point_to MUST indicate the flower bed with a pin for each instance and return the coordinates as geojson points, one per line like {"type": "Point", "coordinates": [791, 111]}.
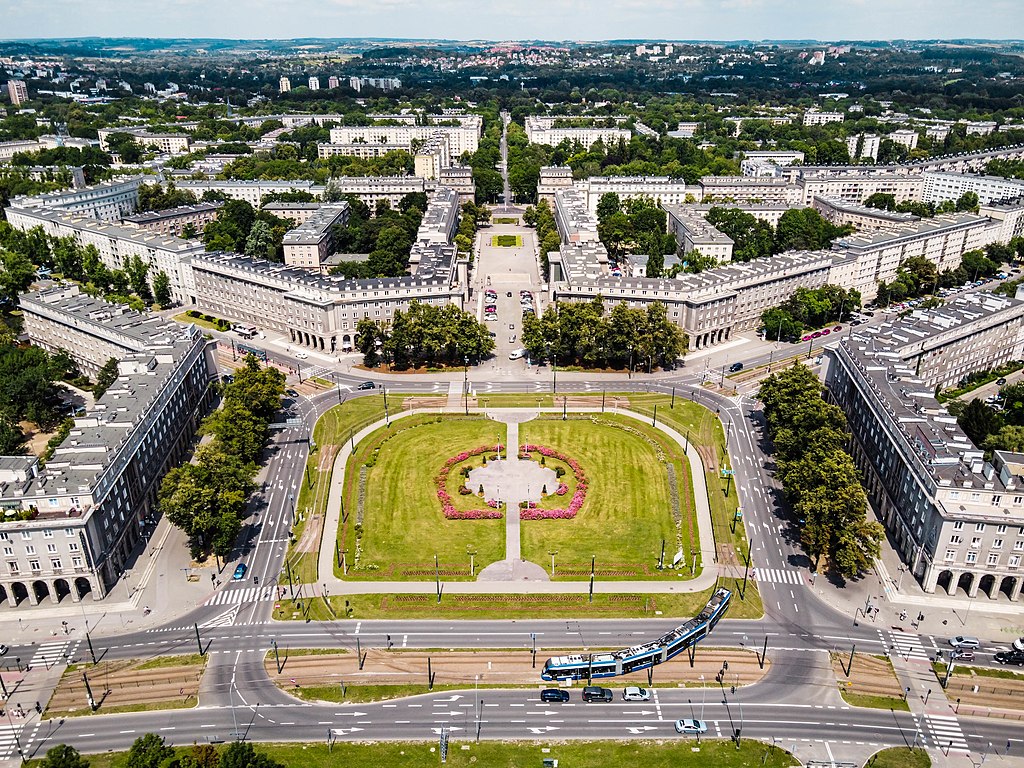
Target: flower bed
{"type": "Point", "coordinates": [441, 481]}
{"type": "Point", "coordinates": [531, 512]}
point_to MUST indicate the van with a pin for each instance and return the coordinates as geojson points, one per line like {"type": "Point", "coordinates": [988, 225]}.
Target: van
{"type": "Point", "coordinates": [965, 641]}
{"type": "Point", "coordinates": [596, 693]}
{"type": "Point", "coordinates": [517, 354]}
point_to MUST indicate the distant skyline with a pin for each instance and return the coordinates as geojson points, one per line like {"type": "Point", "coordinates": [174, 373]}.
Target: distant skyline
{"type": "Point", "coordinates": [521, 19]}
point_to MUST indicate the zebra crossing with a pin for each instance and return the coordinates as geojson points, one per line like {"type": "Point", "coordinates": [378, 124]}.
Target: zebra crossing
{"type": "Point", "coordinates": [908, 645]}
{"type": "Point", "coordinates": [778, 576]}
{"type": "Point", "coordinates": [242, 595]}
{"type": "Point", "coordinates": [49, 654]}
{"type": "Point", "coordinates": [946, 733]}
{"type": "Point", "coordinates": [10, 738]}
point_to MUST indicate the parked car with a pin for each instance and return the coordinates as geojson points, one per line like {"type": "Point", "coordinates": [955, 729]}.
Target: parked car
{"type": "Point", "coordinates": [367, 385]}
{"type": "Point", "coordinates": [965, 641]}
{"type": "Point", "coordinates": [691, 726]}
{"type": "Point", "coordinates": [554, 694]}
{"type": "Point", "coordinates": [636, 693]}
{"type": "Point", "coordinates": [596, 693]}
{"type": "Point", "coordinates": [240, 570]}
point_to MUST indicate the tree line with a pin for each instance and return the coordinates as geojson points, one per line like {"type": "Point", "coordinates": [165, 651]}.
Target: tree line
{"type": "Point", "coordinates": [918, 276]}
{"type": "Point", "coordinates": [582, 333]}
{"type": "Point", "coordinates": [543, 219]}
{"type": "Point", "coordinates": [809, 308]}
{"type": "Point", "coordinates": [992, 428]}
{"type": "Point", "coordinates": [637, 225]}
{"type": "Point", "coordinates": [967, 202]}
{"type": "Point", "coordinates": [424, 335]}
{"type": "Point", "coordinates": [384, 233]}
{"type": "Point", "coordinates": [819, 479]}
{"type": "Point", "coordinates": [207, 497]}
{"type": "Point", "coordinates": [799, 229]}
{"type": "Point", "coordinates": [151, 751]}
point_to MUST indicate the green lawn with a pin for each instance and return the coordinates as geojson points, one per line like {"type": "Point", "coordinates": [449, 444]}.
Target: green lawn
{"type": "Point", "coordinates": [673, 752]}
{"type": "Point", "coordinates": [403, 525]}
{"type": "Point", "coordinates": [676, 605]}
{"type": "Point", "coordinates": [626, 514]}
{"type": "Point", "coordinates": [506, 241]}
{"type": "Point", "coordinates": [183, 318]}
{"type": "Point", "coordinates": [874, 702]}
{"type": "Point", "coordinates": [899, 757]}
{"type": "Point", "coordinates": [505, 220]}
{"type": "Point", "coordinates": [332, 430]}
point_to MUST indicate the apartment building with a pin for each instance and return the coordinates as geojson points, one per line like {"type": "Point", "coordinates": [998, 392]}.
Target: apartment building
{"type": "Point", "coordinates": [71, 526]}
{"type": "Point", "coordinates": [692, 232]}
{"type": "Point", "coordinates": [284, 85]}
{"type": "Point", "coordinates": [840, 213]}
{"type": "Point", "coordinates": [939, 187]}
{"type": "Point", "coordinates": [956, 520]}
{"type": "Point", "coordinates": [661, 189]}
{"type": "Point", "coordinates": [461, 138]}
{"type": "Point", "coordinates": [553, 179]}
{"type": "Point", "coordinates": [573, 219]}
{"type": "Point", "coordinates": [314, 83]}
{"type": "Point", "coordinates": [109, 201]}
{"type": "Point", "coordinates": [863, 145]}
{"type": "Point", "coordinates": [309, 244]}
{"type": "Point", "coordinates": [171, 221]}
{"type": "Point", "coordinates": [9, 149]}
{"type": "Point", "coordinates": [541, 130]}
{"type": "Point", "coordinates": [299, 213]}
{"type": "Point", "coordinates": [17, 91]}
{"type": "Point", "coordinates": [906, 137]}
{"type": "Point", "coordinates": [748, 188]}
{"type": "Point", "coordinates": [359, 149]}
{"type": "Point", "coordinates": [167, 143]}
{"type": "Point", "coordinates": [460, 179]}
{"type": "Point", "coordinates": [432, 156]}
{"type": "Point", "coordinates": [116, 244]}
{"type": "Point", "coordinates": [814, 117]}
{"type": "Point", "coordinates": [440, 221]}
{"type": "Point", "coordinates": [858, 188]}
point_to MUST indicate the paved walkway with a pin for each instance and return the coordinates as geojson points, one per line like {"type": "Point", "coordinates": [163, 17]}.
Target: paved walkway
{"type": "Point", "coordinates": [511, 580]}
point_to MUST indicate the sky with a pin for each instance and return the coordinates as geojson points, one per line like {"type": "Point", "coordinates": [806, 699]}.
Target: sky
{"type": "Point", "coordinates": [517, 19]}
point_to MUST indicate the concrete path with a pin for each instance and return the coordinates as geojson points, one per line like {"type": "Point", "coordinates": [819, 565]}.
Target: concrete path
{"type": "Point", "coordinates": [514, 577]}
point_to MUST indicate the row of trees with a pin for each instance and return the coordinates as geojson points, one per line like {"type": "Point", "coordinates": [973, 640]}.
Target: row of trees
{"type": "Point", "coordinates": [636, 226]}
{"type": "Point", "coordinates": [809, 308]}
{"type": "Point", "coordinates": [424, 335]}
{"type": "Point", "coordinates": [819, 479]}
{"type": "Point", "coordinates": [473, 216]}
{"type": "Point", "coordinates": [155, 197]}
{"type": "Point", "coordinates": [580, 333]}
{"type": "Point", "coordinates": [28, 392]}
{"type": "Point", "coordinates": [384, 233]}
{"type": "Point", "coordinates": [207, 497]}
{"type": "Point", "coordinates": [151, 751]}
{"type": "Point", "coordinates": [543, 218]}
{"type": "Point", "coordinates": [917, 276]}
{"type": "Point", "coordinates": [799, 229]}
{"type": "Point", "coordinates": [992, 429]}
{"type": "Point", "coordinates": [884, 201]}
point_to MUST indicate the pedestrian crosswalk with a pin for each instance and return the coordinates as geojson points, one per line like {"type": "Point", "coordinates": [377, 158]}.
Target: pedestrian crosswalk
{"type": "Point", "coordinates": [241, 595]}
{"type": "Point", "coordinates": [10, 738]}
{"type": "Point", "coordinates": [908, 645]}
{"type": "Point", "coordinates": [777, 576]}
{"type": "Point", "coordinates": [47, 654]}
{"type": "Point", "coordinates": [946, 733]}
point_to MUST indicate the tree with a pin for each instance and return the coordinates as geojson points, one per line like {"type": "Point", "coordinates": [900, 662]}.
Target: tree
{"type": "Point", "coordinates": [881, 200]}
{"type": "Point", "coordinates": [655, 265]}
{"type": "Point", "coordinates": [779, 324]}
{"type": "Point", "coordinates": [241, 754]}
{"type": "Point", "coordinates": [12, 439]}
{"type": "Point", "coordinates": [752, 238]}
{"type": "Point", "coordinates": [162, 289]}
{"type": "Point", "coordinates": [16, 275]}
{"type": "Point", "coordinates": [978, 420]}
{"type": "Point", "coordinates": [259, 243]}
{"type": "Point", "coordinates": [608, 205]}
{"type": "Point", "coordinates": [201, 756]}
{"type": "Point", "coordinates": [1008, 438]}
{"type": "Point", "coordinates": [804, 229]}
{"type": "Point", "coordinates": [137, 271]}
{"type": "Point", "coordinates": [107, 375]}
{"type": "Point", "coordinates": [149, 751]}
{"type": "Point", "coordinates": [124, 144]}
{"type": "Point", "coordinates": [63, 756]}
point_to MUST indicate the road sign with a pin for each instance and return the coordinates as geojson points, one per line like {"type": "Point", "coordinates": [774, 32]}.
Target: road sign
{"type": "Point", "coordinates": [444, 745]}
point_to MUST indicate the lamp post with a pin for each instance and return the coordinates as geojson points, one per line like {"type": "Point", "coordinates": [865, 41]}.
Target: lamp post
{"type": "Point", "coordinates": [472, 561]}
{"type": "Point", "coordinates": [552, 553]}
{"type": "Point", "coordinates": [465, 382]}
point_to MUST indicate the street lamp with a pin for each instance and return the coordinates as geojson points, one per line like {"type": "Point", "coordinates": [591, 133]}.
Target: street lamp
{"type": "Point", "coordinates": [465, 382]}
{"type": "Point", "coordinates": [552, 553]}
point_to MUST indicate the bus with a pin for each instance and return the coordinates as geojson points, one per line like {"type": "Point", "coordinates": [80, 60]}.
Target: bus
{"type": "Point", "coordinates": [586, 666]}
{"type": "Point", "coordinates": [245, 331]}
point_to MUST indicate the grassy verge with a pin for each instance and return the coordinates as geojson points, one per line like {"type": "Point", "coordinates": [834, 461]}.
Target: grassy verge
{"type": "Point", "coordinates": [960, 670]}
{"type": "Point", "coordinates": [192, 659]}
{"type": "Point", "coordinates": [669, 753]}
{"type": "Point", "coordinates": [899, 757]}
{"type": "Point", "coordinates": [514, 606]}
{"type": "Point", "coordinates": [874, 702]}
{"type": "Point", "coordinates": [183, 318]}
{"type": "Point", "coordinates": [360, 694]}
{"type": "Point", "coordinates": [154, 706]}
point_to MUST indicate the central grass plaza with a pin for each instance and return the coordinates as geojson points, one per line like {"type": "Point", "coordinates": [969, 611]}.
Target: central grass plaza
{"type": "Point", "coordinates": [639, 499]}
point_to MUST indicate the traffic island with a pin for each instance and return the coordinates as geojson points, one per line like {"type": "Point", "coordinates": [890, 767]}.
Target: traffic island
{"type": "Point", "coordinates": [127, 685]}
{"type": "Point", "coordinates": [375, 674]}
{"type": "Point", "coordinates": [868, 681]}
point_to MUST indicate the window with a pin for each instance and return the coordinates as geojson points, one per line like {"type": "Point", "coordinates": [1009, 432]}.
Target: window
{"type": "Point", "coordinates": [972, 557]}
{"type": "Point", "coordinates": [12, 566]}
{"type": "Point", "coordinates": [55, 563]}
{"type": "Point", "coordinates": [958, 525]}
{"type": "Point", "coordinates": [73, 546]}
{"type": "Point", "coordinates": [956, 540]}
{"type": "Point", "coordinates": [979, 527]}
{"type": "Point", "coordinates": [26, 535]}
{"type": "Point", "coordinates": [993, 558]}
{"type": "Point", "coordinates": [997, 544]}
{"type": "Point", "coordinates": [69, 532]}
{"type": "Point", "coordinates": [1018, 545]}
{"type": "Point", "coordinates": [976, 542]}
{"type": "Point", "coordinates": [33, 565]}
{"type": "Point", "coordinates": [1001, 529]}
{"type": "Point", "coordinates": [29, 549]}
{"type": "Point", "coordinates": [950, 555]}
{"type": "Point", "coordinates": [47, 533]}
{"type": "Point", "coordinates": [1014, 561]}
{"type": "Point", "coordinates": [8, 550]}
{"type": "Point", "coordinates": [76, 562]}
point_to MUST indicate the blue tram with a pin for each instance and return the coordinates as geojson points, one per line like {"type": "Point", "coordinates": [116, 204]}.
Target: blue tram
{"type": "Point", "coordinates": [584, 666]}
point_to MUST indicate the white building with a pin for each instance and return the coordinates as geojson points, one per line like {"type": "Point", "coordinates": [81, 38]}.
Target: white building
{"type": "Point", "coordinates": [109, 201]}
{"type": "Point", "coordinates": [693, 232]}
{"type": "Point", "coordinates": [461, 138]}
{"type": "Point", "coordinates": [906, 137]}
{"type": "Point", "coordinates": [814, 117]}
{"type": "Point", "coordinates": [864, 145]}
{"type": "Point", "coordinates": [309, 244]}
{"type": "Point", "coordinates": [939, 187]}
{"type": "Point", "coordinates": [284, 84]}
{"type": "Point", "coordinates": [314, 83]}
{"type": "Point", "coordinates": [542, 130]}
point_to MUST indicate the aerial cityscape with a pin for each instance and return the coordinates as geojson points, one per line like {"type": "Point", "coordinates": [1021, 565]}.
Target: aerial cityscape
{"type": "Point", "coordinates": [406, 396]}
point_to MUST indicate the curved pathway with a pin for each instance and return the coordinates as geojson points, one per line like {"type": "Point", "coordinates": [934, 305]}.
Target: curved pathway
{"type": "Point", "coordinates": [513, 575]}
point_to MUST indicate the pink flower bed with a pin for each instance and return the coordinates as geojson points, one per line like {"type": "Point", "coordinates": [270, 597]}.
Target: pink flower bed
{"type": "Point", "coordinates": [578, 496]}
{"type": "Point", "coordinates": [441, 481]}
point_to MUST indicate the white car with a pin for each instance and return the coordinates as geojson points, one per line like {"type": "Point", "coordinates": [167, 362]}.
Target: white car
{"type": "Point", "coordinates": [691, 726]}
{"type": "Point", "coordinates": [1018, 644]}
{"type": "Point", "coordinates": [301, 355]}
{"type": "Point", "coordinates": [635, 693]}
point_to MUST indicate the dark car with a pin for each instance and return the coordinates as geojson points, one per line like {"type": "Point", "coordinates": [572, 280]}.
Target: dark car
{"type": "Point", "coordinates": [1011, 657]}
{"type": "Point", "coordinates": [554, 694]}
{"type": "Point", "coordinates": [596, 693]}
{"type": "Point", "coordinates": [1001, 382]}
{"type": "Point", "coordinates": [367, 385]}
{"type": "Point", "coordinates": [291, 393]}
{"type": "Point", "coordinates": [735, 367]}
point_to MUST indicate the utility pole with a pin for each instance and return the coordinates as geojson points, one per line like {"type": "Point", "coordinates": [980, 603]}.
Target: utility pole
{"type": "Point", "coordinates": [199, 640]}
